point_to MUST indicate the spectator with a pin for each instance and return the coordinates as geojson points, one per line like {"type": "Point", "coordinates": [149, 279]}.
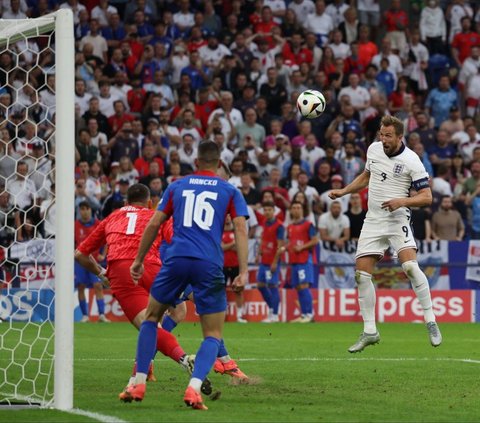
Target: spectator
{"type": "Point", "coordinates": [350, 25]}
{"type": "Point", "coordinates": [116, 199]}
{"type": "Point", "coordinates": [334, 226]}
{"type": "Point", "coordinates": [320, 23]}
{"type": "Point", "coordinates": [274, 93]}
{"type": "Point", "coordinates": [469, 143]}
{"type": "Point", "coordinates": [252, 195]}
{"type": "Point", "coordinates": [326, 201]}
{"type": "Point", "coordinates": [433, 27]}
{"type": "Point", "coordinates": [311, 152]}
{"type": "Point", "coordinates": [441, 183]}
{"type": "Point", "coordinates": [142, 164]}
{"type": "Point", "coordinates": [96, 40]}
{"type": "Point", "coordinates": [464, 41]}
{"type": "Point", "coordinates": [367, 49]}
{"type": "Point", "coordinates": [321, 180]}
{"type": "Point", "coordinates": [229, 116]}
{"type": "Point", "coordinates": [456, 11]}
{"type": "Point", "coordinates": [351, 165]}
{"type": "Point", "coordinates": [454, 123]}
{"type": "Point", "coordinates": [386, 78]}
{"type": "Point", "coordinates": [302, 9]}
{"type": "Point", "coordinates": [114, 32]}
{"type": "Point", "coordinates": [443, 151]}
{"type": "Point", "coordinates": [94, 112]}
{"type": "Point", "coordinates": [123, 144]}
{"type": "Point", "coordinates": [250, 127]}
{"type": "Point", "coordinates": [188, 152]}
{"type": "Point", "coordinates": [236, 169]}
{"type": "Point", "coordinates": [440, 100]}
{"type": "Point", "coordinates": [356, 215]}
{"type": "Point", "coordinates": [447, 223]}
{"type": "Point", "coordinates": [396, 22]}
{"type": "Point", "coordinates": [394, 63]}
{"type": "Point", "coordinates": [120, 116]}
{"type": "Point", "coordinates": [281, 194]}
{"type": "Point", "coordinates": [302, 186]}
{"type": "Point", "coordinates": [85, 150]}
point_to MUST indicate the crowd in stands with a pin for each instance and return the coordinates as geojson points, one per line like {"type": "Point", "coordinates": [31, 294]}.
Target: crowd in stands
{"type": "Point", "coordinates": [155, 77]}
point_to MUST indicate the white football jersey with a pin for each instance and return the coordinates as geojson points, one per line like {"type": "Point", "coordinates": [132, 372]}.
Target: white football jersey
{"type": "Point", "coordinates": [392, 177]}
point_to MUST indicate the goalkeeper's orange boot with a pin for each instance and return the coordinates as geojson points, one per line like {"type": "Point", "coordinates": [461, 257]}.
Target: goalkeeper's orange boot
{"type": "Point", "coordinates": [229, 368]}
{"type": "Point", "coordinates": [150, 376]}
{"type": "Point", "coordinates": [194, 399]}
{"type": "Point", "coordinates": [133, 393]}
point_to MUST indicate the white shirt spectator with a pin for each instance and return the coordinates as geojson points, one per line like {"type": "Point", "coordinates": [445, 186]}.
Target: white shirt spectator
{"type": "Point", "coordinates": [310, 192]}
{"type": "Point", "coordinates": [340, 51]}
{"type": "Point", "coordinates": [469, 68]}
{"type": "Point", "coordinates": [358, 96]}
{"type": "Point", "coordinates": [23, 192]}
{"type": "Point", "coordinates": [184, 19]}
{"type": "Point", "coordinates": [327, 201]}
{"type": "Point", "coordinates": [369, 5]}
{"type": "Point", "coordinates": [106, 104]}
{"type": "Point", "coordinates": [100, 139]}
{"type": "Point", "coordinates": [267, 60]}
{"type": "Point", "coordinates": [235, 116]}
{"type": "Point", "coordinates": [130, 175]}
{"type": "Point", "coordinates": [336, 12]}
{"type": "Point", "coordinates": [334, 226]}
{"type": "Point", "coordinates": [83, 102]}
{"type": "Point", "coordinates": [433, 24]}
{"type": "Point", "coordinates": [442, 186]}
{"type": "Point", "coordinates": [215, 56]}
{"type": "Point", "coordinates": [188, 158]}
{"type": "Point", "coordinates": [394, 63]}
{"type": "Point", "coordinates": [47, 99]}
{"type": "Point", "coordinates": [312, 156]}
{"type": "Point", "coordinates": [226, 156]}
{"type": "Point", "coordinates": [102, 15]}
{"type": "Point", "coordinates": [319, 24]}
{"type": "Point", "coordinates": [78, 8]}
{"type": "Point", "coordinates": [8, 14]}
{"type": "Point", "coordinates": [302, 10]}
{"type": "Point", "coordinates": [466, 146]}
{"type": "Point", "coordinates": [162, 89]}
{"type": "Point", "coordinates": [49, 213]}
{"type": "Point", "coordinates": [178, 63]}
{"type": "Point", "coordinates": [414, 70]}
{"type": "Point", "coordinates": [457, 12]}
{"type": "Point", "coordinates": [100, 46]}
{"type": "Point", "coordinates": [235, 181]}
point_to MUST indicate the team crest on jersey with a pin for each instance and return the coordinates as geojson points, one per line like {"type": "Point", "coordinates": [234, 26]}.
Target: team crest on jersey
{"type": "Point", "coordinates": [398, 169]}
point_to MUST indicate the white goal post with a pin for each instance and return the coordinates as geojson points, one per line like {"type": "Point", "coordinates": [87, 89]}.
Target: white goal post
{"type": "Point", "coordinates": [62, 46]}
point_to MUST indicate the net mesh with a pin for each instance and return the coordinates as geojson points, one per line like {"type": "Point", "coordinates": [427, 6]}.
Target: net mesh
{"type": "Point", "coordinates": [27, 211]}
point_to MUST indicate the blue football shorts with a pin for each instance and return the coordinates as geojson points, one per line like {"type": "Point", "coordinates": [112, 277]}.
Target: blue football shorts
{"type": "Point", "coordinates": [266, 276]}
{"type": "Point", "coordinates": [84, 277]}
{"type": "Point", "coordinates": [302, 273]}
{"type": "Point", "coordinates": [207, 280]}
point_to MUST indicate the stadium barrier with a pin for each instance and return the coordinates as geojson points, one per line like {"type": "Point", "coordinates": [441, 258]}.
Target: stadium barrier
{"type": "Point", "coordinates": [452, 268]}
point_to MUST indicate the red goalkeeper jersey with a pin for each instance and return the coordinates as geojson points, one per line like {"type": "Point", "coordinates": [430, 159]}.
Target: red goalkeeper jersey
{"type": "Point", "coordinates": [122, 231]}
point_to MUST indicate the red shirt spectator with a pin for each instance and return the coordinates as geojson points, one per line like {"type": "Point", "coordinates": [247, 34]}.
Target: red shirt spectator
{"type": "Point", "coordinates": [298, 56]}
{"type": "Point", "coordinates": [119, 118]}
{"type": "Point", "coordinates": [142, 164]}
{"type": "Point", "coordinates": [136, 97]}
{"type": "Point", "coordinates": [464, 42]}
{"type": "Point", "coordinates": [396, 20]}
{"type": "Point", "coordinates": [366, 51]}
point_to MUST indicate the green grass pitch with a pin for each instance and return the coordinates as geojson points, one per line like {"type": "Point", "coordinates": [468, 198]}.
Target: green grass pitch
{"type": "Point", "coordinates": [303, 373]}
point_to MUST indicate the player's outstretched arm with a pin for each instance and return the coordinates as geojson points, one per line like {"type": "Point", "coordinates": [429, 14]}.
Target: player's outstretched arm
{"type": "Point", "coordinates": [241, 240]}
{"type": "Point", "coordinates": [360, 182]}
{"type": "Point", "coordinates": [149, 235]}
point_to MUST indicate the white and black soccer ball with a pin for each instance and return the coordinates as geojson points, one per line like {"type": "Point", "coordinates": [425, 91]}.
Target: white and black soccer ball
{"type": "Point", "coordinates": [311, 104]}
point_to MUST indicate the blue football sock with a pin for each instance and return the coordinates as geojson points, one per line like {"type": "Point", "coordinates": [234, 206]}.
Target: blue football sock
{"type": "Point", "coordinates": [266, 295]}
{"type": "Point", "coordinates": [275, 296]}
{"type": "Point", "coordinates": [168, 323]}
{"type": "Point", "coordinates": [306, 300]}
{"type": "Point", "coordinates": [146, 345]}
{"type": "Point", "coordinates": [205, 358]}
{"type": "Point", "coordinates": [83, 307]}
{"type": "Point", "coordinates": [222, 351]}
{"type": "Point", "coordinates": [101, 306]}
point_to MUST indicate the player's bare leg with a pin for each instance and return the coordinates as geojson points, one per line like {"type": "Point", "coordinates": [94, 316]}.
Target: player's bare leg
{"type": "Point", "coordinates": [98, 287]}
{"type": "Point", "coordinates": [212, 328]}
{"type": "Point", "coordinates": [419, 281]}
{"type": "Point", "coordinates": [366, 301]}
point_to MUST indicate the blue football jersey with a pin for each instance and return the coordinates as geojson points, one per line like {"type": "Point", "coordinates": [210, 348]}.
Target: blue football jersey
{"type": "Point", "coordinates": [199, 204]}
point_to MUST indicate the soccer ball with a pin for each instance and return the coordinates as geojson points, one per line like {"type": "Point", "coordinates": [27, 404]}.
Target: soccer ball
{"type": "Point", "coordinates": [311, 104]}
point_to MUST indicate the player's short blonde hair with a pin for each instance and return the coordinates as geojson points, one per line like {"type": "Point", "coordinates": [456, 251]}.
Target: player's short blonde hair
{"type": "Point", "coordinates": [395, 122]}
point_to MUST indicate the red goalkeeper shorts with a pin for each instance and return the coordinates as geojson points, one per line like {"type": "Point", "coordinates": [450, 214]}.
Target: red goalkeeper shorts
{"type": "Point", "coordinates": [132, 298]}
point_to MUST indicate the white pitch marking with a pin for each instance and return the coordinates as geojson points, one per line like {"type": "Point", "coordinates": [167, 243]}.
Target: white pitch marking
{"type": "Point", "coordinates": [95, 416]}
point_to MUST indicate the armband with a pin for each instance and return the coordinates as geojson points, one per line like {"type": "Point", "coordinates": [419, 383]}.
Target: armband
{"type": "Point", "coordinates": [421, 184]}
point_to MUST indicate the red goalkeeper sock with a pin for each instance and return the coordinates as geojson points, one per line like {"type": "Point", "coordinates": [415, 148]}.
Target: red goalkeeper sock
{"type": "Point", "coordinates": [168, 345]}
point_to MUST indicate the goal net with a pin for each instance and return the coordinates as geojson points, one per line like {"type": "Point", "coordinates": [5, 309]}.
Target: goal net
{"type": "Point", "coordinates": [36, 211]}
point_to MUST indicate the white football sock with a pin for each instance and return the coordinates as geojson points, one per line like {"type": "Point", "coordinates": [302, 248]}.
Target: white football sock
{"type": "Point", "coordinates": [420, 285]}
{"type": "Point", "coordinates": [366, 300]}
{"type": "Point", "coordinates": [140, 378]}
{"type": "Point", "coordinates": [195, 383]}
